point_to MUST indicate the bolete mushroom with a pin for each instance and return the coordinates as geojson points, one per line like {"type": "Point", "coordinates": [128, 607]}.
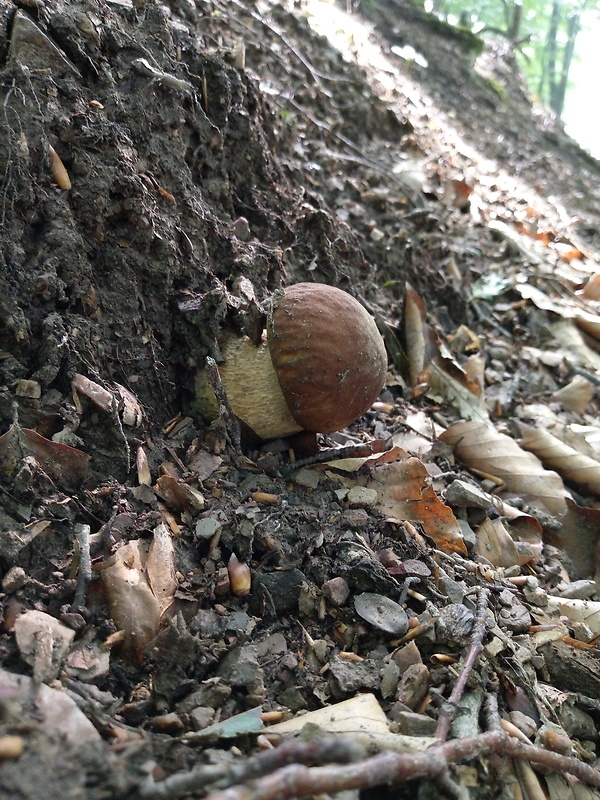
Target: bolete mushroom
{"type": "Point", "coordinates": [320, 365]}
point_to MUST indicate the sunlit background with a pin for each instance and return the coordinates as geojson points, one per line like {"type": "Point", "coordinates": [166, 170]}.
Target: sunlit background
{"type": "Point", "coordinates": [582, 106]}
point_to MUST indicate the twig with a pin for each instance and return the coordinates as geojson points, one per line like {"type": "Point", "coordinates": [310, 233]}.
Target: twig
{"type": "Point", "coordinates": [334, 454]}
{"type": "Point", "coordinates": [448, 710]}
{"type": "Point", "coordinates": [230, 421]}
{"type": "Point", "coordinates": [332, 749]}
{"type": "Point", "coordinates": [298, 781]}
{"type": "Point", "coordinates": [491, 712]}
{"type": "Point", "coordinates": [84, 576]}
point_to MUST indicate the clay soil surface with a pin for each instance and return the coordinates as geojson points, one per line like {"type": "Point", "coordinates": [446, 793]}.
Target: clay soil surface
{"type": "Point", "coordinates": [165, 167]}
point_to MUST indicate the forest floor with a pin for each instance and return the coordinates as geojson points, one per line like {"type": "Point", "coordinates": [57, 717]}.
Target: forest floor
{"type": "Point", "coordinates": [165, 168]}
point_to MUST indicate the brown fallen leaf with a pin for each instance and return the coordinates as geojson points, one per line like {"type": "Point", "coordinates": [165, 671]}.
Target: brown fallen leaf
{"type": "Point", "coordinates": [496, 544]}
{"type": "Point", "coordinates": [177, 494]}
{"type": "Point", "coordinates": [65, 465]}
{"type": "Point", "coordinates": [430, 364]}
{"type": "Point", "coordinates": [481, 447]}
{"type": "Point", "coordinates": [572, 465]}
{"type": "Point", "coordinates": [405, 493]}
{"type": "Point", "coordinates": [140, 585]}
{"type": "Point", "coordinates": [160, 567]}
{"type": "Point", "coordinates": [579, 537]}
{"type": "Point", "coordinates": [576, 395]}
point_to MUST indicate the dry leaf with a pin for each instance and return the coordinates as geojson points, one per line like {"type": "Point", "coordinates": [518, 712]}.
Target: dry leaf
{"type": "Point", "coordinates": [479, 446]}
{"type": "Point", "coordinates": [587, 611]}
{"type": "Point", "coordinates": [177, 494]}
{"type": "Point", "coordinates": [576, 395]}
{"type": "Point", "coordinates": [591, 291]}
{"type": "Point", "coordinates": [579, 536]}
{"type": "Point", "coordinates": [573, 466]}
{"type": "Point", "coordinates": [591, 435]}
{"type": "Point", "coordinates": [140, 585]}
{"type": "Point", "coordinates": [131, 602]}
{"type": "Point", "coordinates": [405, 493]}
{"type": "Point", "coordinates": [430, 365]}
{"type": "Point", "coordinates": [160, 567]}
{"type": "Point", "coordinates": [65, 465]}
{"type": "Point", "coordinates": [495, 544]}
{"type": "Point", "coordinates": [360, 717]}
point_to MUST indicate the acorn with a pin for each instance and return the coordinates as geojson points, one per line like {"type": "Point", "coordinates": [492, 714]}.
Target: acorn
{"type": "Point", "coordinates": [320, 365]}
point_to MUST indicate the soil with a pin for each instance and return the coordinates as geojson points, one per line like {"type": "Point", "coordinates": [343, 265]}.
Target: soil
{"type": "Point", "coordinates": [216, 152]}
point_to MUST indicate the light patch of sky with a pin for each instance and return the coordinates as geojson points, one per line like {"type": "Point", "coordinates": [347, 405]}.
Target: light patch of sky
{"type": "Point", "coordinates": [582, 110]}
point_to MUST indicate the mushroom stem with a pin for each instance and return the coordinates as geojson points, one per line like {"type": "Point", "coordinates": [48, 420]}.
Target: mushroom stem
{"type": "Point", "coordinates": [252, 389]}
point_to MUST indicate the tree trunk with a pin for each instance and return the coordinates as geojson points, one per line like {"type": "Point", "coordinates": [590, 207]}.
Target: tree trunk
{"type": "Point", "coordinates": [549, 80]}
{"type": "Point", "coordinates": [574, 28]}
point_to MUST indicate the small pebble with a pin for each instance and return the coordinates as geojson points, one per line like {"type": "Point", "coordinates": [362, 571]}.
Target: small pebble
{"type": "Point", "coordinates": [336, 591]}
{"type": "Point", "coordinates": [15, 579]}
{"type": "Point", "coordinates": [411, 724]}
{"type": "Point", "coordinates": [307, 477]}
{"type": "Point", "coordinates": [413, 685]}
{"type": "Point", "coordinates": [407, 656]}
{"type": "Point", "coordinates": [361, 496]}
{"type": "Point", "coordinates": [202, 717]}
{"type": "Point", "coordinates": [355, 518]}
{"type": "Point", "coordinates": [167, 723]}
{"type": "Point", "coordinates": [579, 590]}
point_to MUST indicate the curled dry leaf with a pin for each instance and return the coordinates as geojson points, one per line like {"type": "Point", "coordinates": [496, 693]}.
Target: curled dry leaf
{"type": "Point", "coordinates": [178, 495]}
{"type": "Point", "coordinates": [100, 397]}
{"type": "Point", "coordinates": [495, 544]}
{"type": "Point", "coordinates": [429, 365]}
{"type": "Point", "coordinates": [140, 585]}
{"type": "Point", "coordinates": [572, 465]}
{"type": "Point", "coordinates": [579, 537]}
{"type": "Point", "coordinates": [143, 468]}
{"type": "Point", "coordinates": [576, 395]}
{"type": "Point", "coordinates": [59, 172]}
{"type": "Point", "coordinates": [65, 465]}
{"type": "Point", "coordinates": [479, 446]}
{"type": "Point", "coordinates": [132, 412]}
{"type": "Point", "coordinates": [160, 567]}
{"type": "Point", "coordinates": [405, 493]}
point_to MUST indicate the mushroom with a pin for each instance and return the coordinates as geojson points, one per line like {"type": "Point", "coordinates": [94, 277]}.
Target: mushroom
{"type": "Point", "coordinates": [320, 365]}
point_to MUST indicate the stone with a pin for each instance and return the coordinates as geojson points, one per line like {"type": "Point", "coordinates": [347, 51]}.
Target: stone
{"type": "Point", "coordinates": [240, 666]}
{"type": "Point", "coordinates": [413, 685]}
{"type": "Point", "coordinates": [361, 496]}
{"type": "Point", "coordinates": [336, 591]}
{"type": "Point", "coordinates": [412, 724]}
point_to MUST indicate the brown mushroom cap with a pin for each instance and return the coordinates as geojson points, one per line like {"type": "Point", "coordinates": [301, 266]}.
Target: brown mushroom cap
{"type": "Point", "coordinates": [328, 355]}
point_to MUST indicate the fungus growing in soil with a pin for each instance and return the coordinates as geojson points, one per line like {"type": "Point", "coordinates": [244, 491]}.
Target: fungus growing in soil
{"type": "Point", "coordinates": [320, 365]}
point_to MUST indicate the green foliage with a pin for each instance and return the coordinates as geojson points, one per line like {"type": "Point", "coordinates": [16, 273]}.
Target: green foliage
{"type": "Point", "coordinates": [542, 33]}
